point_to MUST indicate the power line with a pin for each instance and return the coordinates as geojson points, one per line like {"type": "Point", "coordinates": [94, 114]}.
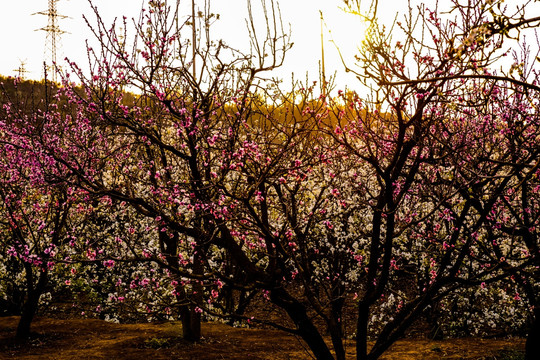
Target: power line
{"type": "Point", "coordinates": [323, 70]}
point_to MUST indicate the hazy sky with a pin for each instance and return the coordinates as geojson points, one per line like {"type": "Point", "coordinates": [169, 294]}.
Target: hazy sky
{"type": "Point", "coordinates": [21, 42]}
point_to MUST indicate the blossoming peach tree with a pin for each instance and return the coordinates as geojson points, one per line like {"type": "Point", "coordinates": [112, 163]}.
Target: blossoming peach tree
{"type": "Point", "coordinates": [40, 212]}
{"type": "Point", "coordinates": [206, 187]}
{"type": "Point", "coordinates": [439, 158]}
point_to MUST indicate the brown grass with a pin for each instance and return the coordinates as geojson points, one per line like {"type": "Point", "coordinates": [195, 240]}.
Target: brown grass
{"type": "Point", "coordinates": [96, 339]}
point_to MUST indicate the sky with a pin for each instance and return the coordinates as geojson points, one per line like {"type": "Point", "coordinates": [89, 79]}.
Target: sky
{"type": "Point", "coordinates": [22, 41]}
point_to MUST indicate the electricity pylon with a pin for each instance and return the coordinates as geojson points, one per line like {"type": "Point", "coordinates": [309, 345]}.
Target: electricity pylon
{"type": "Point", "coordinates": [21, 70]}
{"type": "Point", "coordinates": [52, 40]}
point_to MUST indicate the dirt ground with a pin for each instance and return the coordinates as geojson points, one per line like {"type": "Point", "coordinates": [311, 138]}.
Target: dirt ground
{"type": "Point", "coordinates": [97, 339]}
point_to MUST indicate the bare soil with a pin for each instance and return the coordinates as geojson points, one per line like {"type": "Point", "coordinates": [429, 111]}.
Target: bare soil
{"type": "Point", "coordinates": [97, 339]}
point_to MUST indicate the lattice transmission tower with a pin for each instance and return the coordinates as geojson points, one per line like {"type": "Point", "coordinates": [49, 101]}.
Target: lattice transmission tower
{"type": "Point", "coordinates": [52, 40]}
{"type": "Point", "coordinates": [21, 70]}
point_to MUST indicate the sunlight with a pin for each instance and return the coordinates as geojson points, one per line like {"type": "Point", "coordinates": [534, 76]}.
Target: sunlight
{"type": "Point", "coordinates": [343, 32]}
{"type": "Point", "coordinates": [346, 30]}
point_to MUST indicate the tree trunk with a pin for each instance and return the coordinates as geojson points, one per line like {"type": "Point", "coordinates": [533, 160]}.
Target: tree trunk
{"type": "Point", "coordinates": [191, 323]}
{"type": "Point", "coordinates": [336, 329]}
{"type": "Point", "coordinates": [532, 346]}
{"type": "Point", "coordinates": [191, 319]}
{"type": "Point", "coordinates": [362, 331]}
{"type": "Point", "coordinates": [191, 313]}
{"type": "Point", "coordinates": [27, 315]}
{"type": "Point", "coordinates": [307, 331]}
{"type": "Point", "coordinates": [32, 301]}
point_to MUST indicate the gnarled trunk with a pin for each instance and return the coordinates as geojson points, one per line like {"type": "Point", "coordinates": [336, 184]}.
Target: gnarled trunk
{"type": "Point", "coordinates": [306, 329]}
{"type": "Point", "coordinates": [32, 301]}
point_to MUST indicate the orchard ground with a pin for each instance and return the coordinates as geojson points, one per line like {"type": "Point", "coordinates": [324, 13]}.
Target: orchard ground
{"type": "Point", "coordinates": [97, 339]}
